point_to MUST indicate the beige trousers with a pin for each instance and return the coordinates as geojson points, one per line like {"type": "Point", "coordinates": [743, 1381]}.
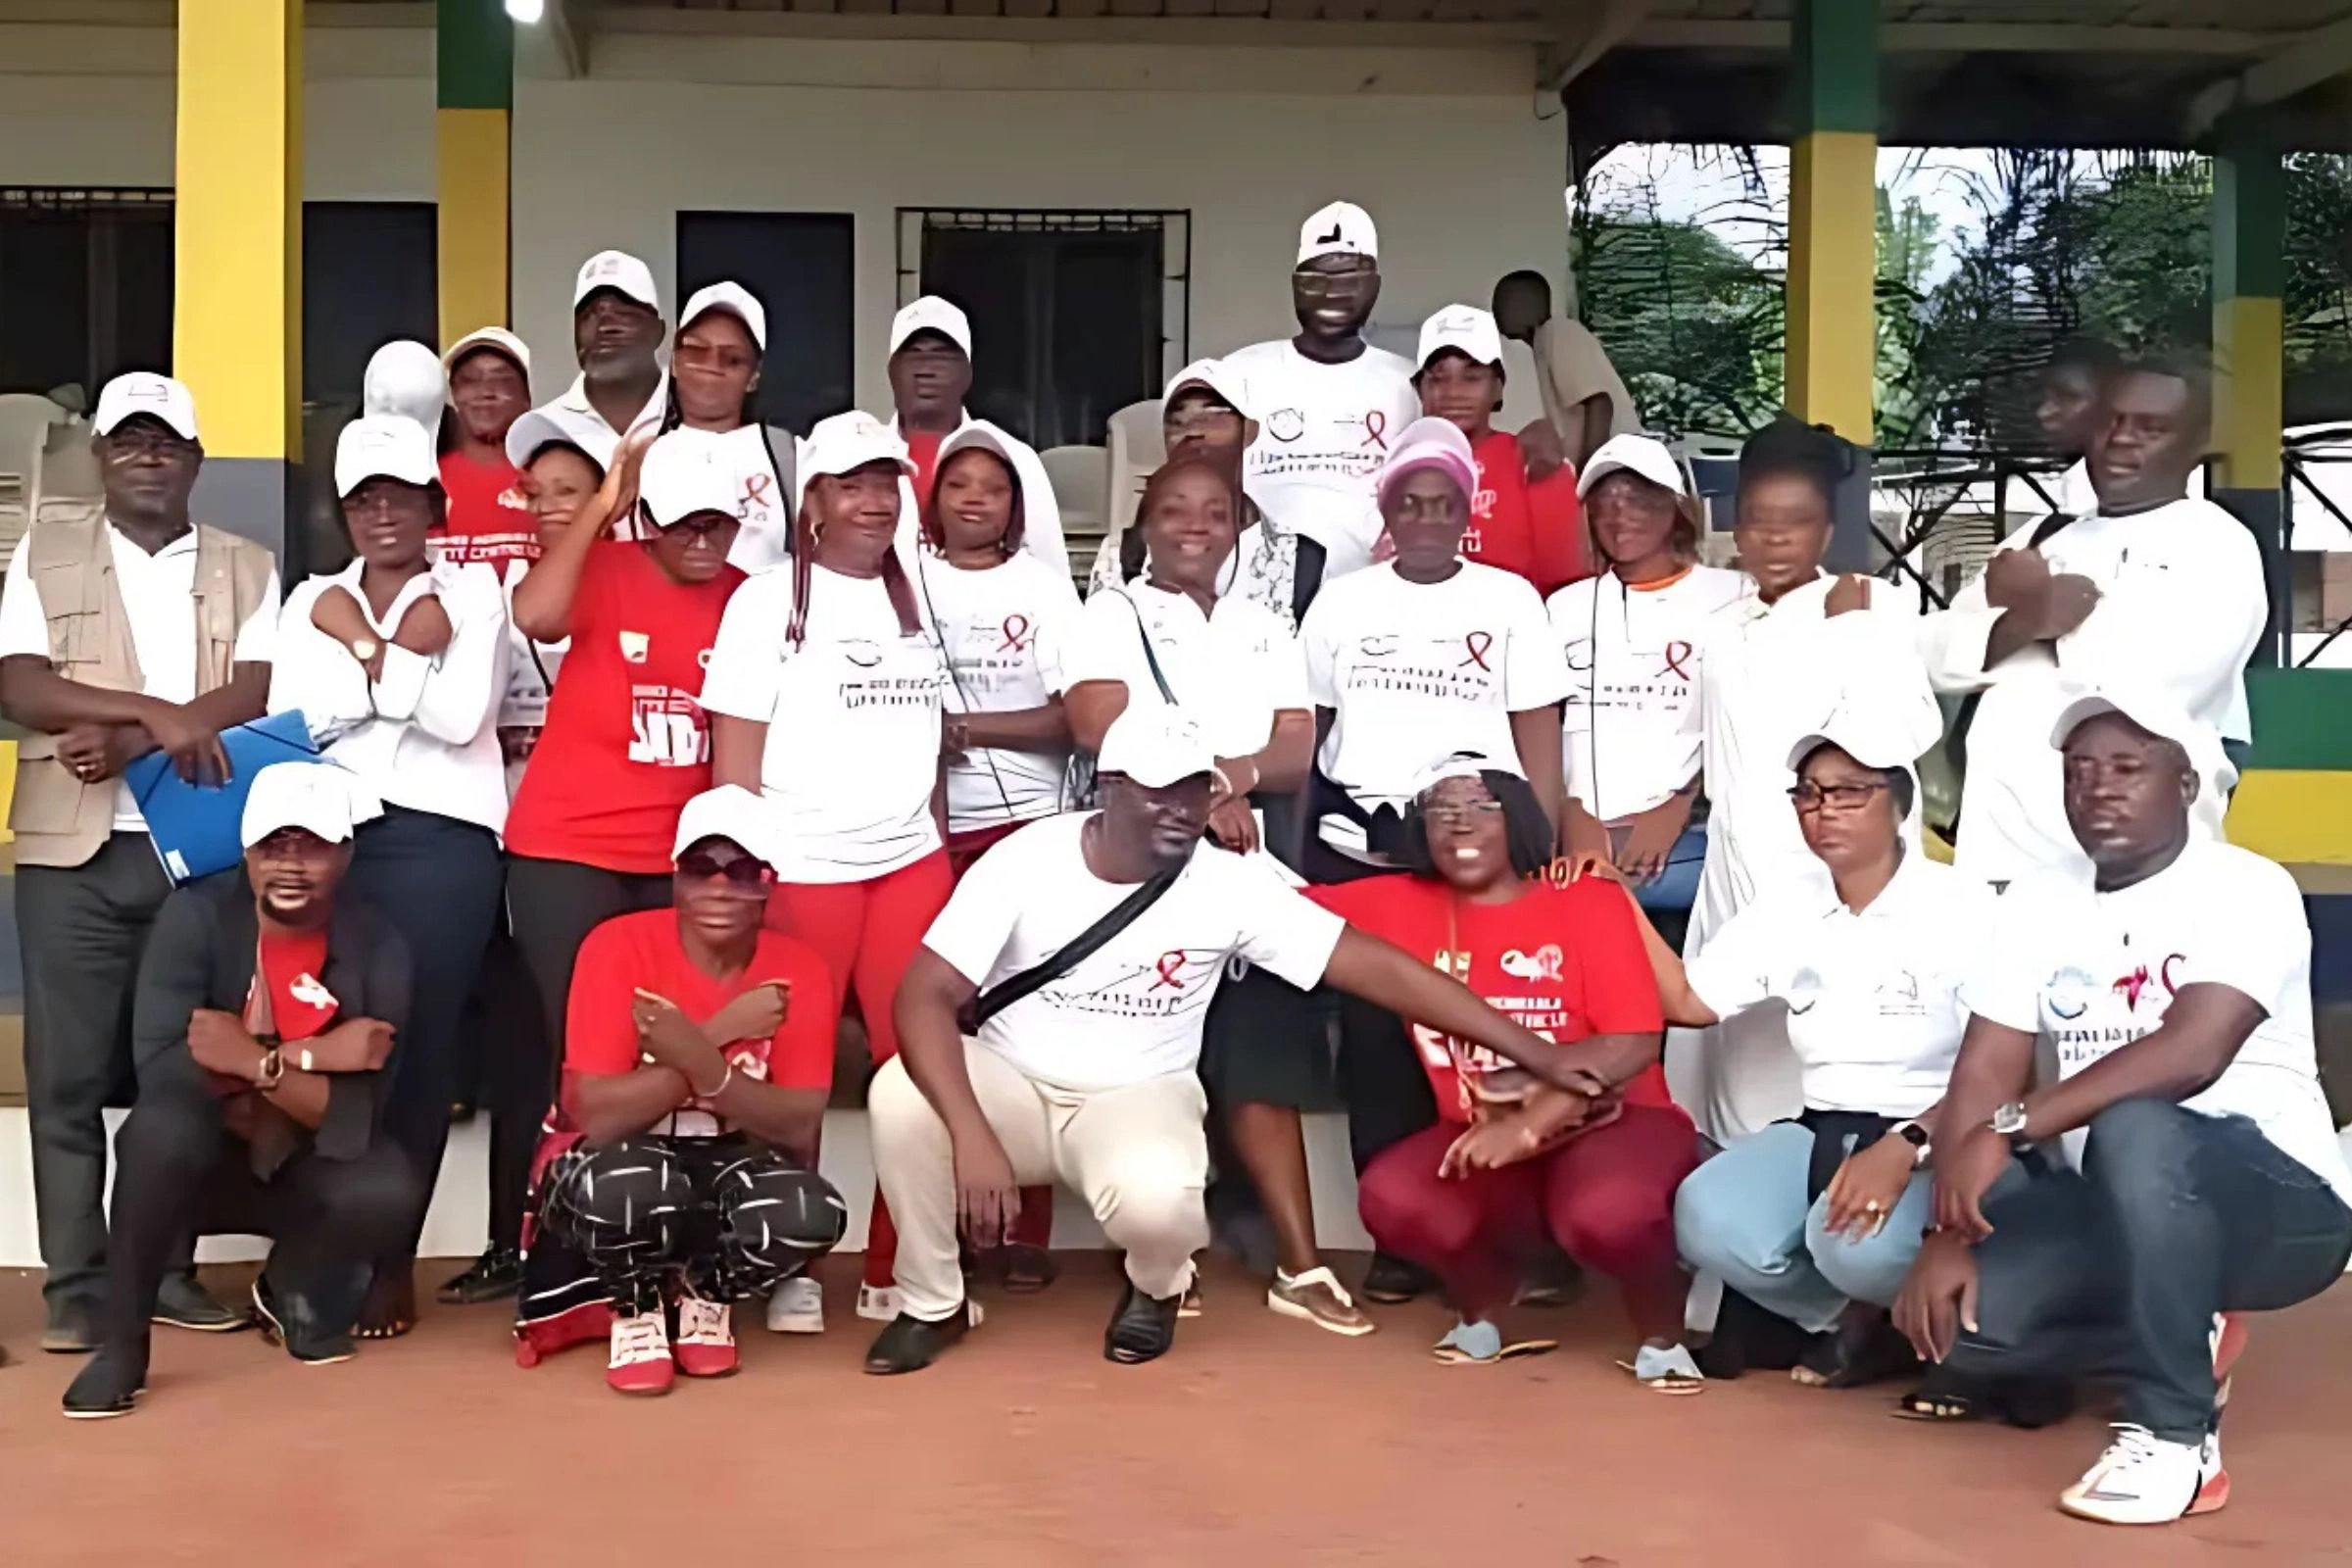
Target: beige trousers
{"type": "Point", "coordinates": [1137, 1154]}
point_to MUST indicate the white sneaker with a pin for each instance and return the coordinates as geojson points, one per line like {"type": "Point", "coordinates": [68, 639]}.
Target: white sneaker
{"type": "Point", "coordinates": [706, 1344]}
{"type": "Point", "coordinates": [2213, 1481]}
{"type": "Point", "coordinates": [2140, 1480]}
{"type": "Point", "coordinates": [878, 1303]}
{"type": "Point", "coordinates": [797, 1305]}
{"type": "Point", "coordinates": [641, 1362]}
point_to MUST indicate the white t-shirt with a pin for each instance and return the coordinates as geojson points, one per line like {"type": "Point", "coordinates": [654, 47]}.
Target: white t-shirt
{"type": "Point", "coordinates": [159, 599]}
{"type": "Point", "coordinates": [1003, 628]}
{"type": "Point", "coordinates": [763, 532]}
{"type": "Point", "coordinates": [852, 716]}
{"type": "Point", "coordinates": [1131, 1010]}
{"type": "Point", "coordinates": [1417, 671]}
{"type": "Point", "coordinates": [1232, 670]}
{"type": "Point", "coordinates": [1874, 1003]}
{"type": "Point", "coordinates": [2089, 972]}
{"type": "Point", "coordinates": [1323, 432]}
{"type": "Point", "coordinates": [2182, 605]}
{"type": "Point", "coordinates": [1635, 657]}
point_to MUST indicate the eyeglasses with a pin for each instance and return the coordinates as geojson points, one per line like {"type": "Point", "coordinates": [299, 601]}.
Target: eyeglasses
{"type": "Point", "coordinates": [701, 866]}
{"type": "Point", "coordinates": [1833, 797]}
{"type": "Point", "coordinates": [130, 440]}
{"type": "Point", "coordinates": [1451, 814]}
{"type": "Point", "coordinates": [1322, 284]}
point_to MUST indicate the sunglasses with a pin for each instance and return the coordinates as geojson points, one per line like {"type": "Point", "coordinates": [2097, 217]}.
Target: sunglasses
{"type": "Point", "coordinates": [701, 866]}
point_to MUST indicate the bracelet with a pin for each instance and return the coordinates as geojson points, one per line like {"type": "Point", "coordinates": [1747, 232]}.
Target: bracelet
{"type": "Point", "coordinates": [725, 1079]}
{"type": "Point", "coordinates": [273, 1071]}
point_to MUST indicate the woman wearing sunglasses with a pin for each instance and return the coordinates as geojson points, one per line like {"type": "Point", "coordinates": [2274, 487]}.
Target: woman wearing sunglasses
{"type": "Point", "coordinates": [1816, 1219]}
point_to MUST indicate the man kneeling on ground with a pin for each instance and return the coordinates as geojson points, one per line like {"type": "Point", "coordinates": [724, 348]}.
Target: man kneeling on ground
{"type": "Point", "coordinates": [265, 1013]}
{"type": "Point", "coordinates": [1087, 948]}
{"type": "Point", "coordinates": [2183, 1164]}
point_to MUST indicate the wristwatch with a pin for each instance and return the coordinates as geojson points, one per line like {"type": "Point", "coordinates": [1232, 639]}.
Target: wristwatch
{"type": "Point", "coordinates": [2010, 1121]}
{"type": "Point", "coordinates": [272, 1071]}
{"type": "Point", "coordinates": [1915, 1136]}
{"type": "Point", "coordinates": [364, 649]}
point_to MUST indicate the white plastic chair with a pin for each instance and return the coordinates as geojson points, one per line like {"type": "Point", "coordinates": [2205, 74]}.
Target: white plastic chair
{"type": "Point", "coordinates": [1081, 479]}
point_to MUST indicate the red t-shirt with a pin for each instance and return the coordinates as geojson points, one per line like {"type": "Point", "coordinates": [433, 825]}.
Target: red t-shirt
{"type": "Point", "coordinates": [630, 951]}
{"type": "Point", "coordinates": [489, 517]}
{"type": "Point", "coordinates": [626, 743]}
{"type": "Point", "coordinates": [289, 966]}
{"type": "Point", "coordinates": [1565, 961]}
{"type": "Point", "coordinates": [922, 448]}
{"type": "Point", "coordinates": [1535, 531]}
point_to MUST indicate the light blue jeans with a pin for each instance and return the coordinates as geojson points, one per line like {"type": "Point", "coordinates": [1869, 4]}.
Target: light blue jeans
{"type": "Point", "coordinates": [1742, 1216]}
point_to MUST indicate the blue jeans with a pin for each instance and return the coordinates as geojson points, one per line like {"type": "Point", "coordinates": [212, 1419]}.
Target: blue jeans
{"type": "Point", "coordinates": [1676, 886]}
{"type": "Point", "coordinates": [1743, 1218]}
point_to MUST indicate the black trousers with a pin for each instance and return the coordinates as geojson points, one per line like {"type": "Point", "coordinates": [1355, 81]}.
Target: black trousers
{"type": "Point", "coordinates": [82, 930]}
{"type": "Point", "coordinates": [435, 880]}
{"type": "Point", "coordinates": [551, 908]}
{"type": "Point", "coordinates": [734, 1216]}
{"type": "Point", "coordinates": [180, 1172]}
{"type": "Point", "coordinates": [2120, 1270]}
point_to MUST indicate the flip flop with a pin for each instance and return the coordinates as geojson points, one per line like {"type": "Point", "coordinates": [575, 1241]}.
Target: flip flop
{"type": "Point", "coordinates": [1669, 1371]}
{"type": "Point", "coordinates": [1481, 1344]}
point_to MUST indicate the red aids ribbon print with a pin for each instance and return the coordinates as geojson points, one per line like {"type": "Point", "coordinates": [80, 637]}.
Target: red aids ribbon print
{"type": "Point", "coordinates": [754, 490]}
{"type": "Point", "coordinates": [1171, 970]}
{"type": "Point", "coordinates": [1016, 634]}
{"type": "Point", "coordinates": [1376, 428]}
{"type": "Point", "coordinates": [1676, 653]}
{"type": "Point", "coordinates": [1478, 642]}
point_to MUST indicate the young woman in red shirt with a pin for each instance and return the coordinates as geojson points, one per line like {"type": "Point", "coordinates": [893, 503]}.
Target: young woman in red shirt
{"type": "Point", "coordinates": [489, 513]}
{"type": "Point", "coordinates": [1508, 1160]}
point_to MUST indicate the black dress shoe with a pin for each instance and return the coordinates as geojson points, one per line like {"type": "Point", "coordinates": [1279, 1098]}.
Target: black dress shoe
{"type": "Point", "coordinates": [911, 1343]}
{"type": "Point", "coordinates": [110, 1386]}
{"type": "Point", "coordinates": [183, 1304]}
{"type": "Point", "coordinates": [493, 1276]}
{"type": "Point", "coordinates": [1392, 1281]}
{"type": "Point", "coordinates": [72, 1329]}
{"type": "Point", "coordinates": [287, 1321]}
{"type": "Point", "coordinates": [1142, 1328]}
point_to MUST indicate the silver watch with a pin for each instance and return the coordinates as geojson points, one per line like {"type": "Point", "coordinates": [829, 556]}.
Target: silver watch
{"type": "Point", "coordinates": [2010, 1119]}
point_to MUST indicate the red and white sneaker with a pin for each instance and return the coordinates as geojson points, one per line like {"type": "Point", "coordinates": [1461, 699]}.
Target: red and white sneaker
{"type": "Point", "coordinates": [706, 1344]}
{"type": "Point", "coordinates": [641, 1361]}
{"type": "Point", "coordinates": [2213, 1478]}
{"type": "Point", "coordinates": [2141, 1480]}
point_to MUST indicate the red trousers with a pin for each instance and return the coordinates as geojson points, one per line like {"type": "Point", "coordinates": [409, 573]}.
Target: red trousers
{"type": "Point", "coordinates": [866, 933]}
{"type": "Point", "coordinates": [1607, 1198]}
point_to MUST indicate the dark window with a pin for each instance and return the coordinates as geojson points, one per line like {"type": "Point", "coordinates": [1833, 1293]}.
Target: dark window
{"type": "Point", "coordinates": [1075, 314]}
{"type": "Point", "coordinates": [799, 267]}
{"type": "Point", "coordinates": [86, 286]}
{"type": "Point", "coordinates": [370, 274]}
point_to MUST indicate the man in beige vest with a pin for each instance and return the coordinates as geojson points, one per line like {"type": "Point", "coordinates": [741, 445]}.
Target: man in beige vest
{"type": "Point", "coordinates": [1585, 398]}
{"type": "Point", "coordinates": [124, 629]}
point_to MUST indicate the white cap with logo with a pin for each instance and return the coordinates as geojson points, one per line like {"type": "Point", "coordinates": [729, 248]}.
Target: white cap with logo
{"type": "Point", "coordinates": [1341, 229]}
{"type": "Point", "coordinates": [319, 798]}
{"type": "Point", "coordinates": [931, 314]}
{"type": "Point", "coordinates": [1156, 746]}
{"type": "Point", "coordinates": [1632, 454]}
{"type": "Point", "coordinates": [732, 812]}
{"type": "Point", "coordinates": [1465, 329]}
{"type": "Point", "coordinates": [734, 299]}
{"type": "Point", "coordinates": [1872, 746]}
{"type": "Point", "coordinates": [617, 270]}
{"type": "Point", "coordinates": [383, 446]}
{"type": "Point", "coordinates": [844, 443]}
{"type": "Point", "coordinates": [686, 472]}
{"type": "Point", "coordinates": [498, 340]}
{"type": "Point", "coordinates": [145, 394]}
{"type": "Point", "coordinates": [1217, 377]}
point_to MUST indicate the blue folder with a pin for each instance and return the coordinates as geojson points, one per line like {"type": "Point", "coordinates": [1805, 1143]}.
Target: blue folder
{"type": "Point", "coordinates": [196, 826]}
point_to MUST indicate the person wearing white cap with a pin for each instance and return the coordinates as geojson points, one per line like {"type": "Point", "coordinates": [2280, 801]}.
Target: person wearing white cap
{"type": "Point", "coordinates": [616, 333]}
{"type": "Point", "coordinates": [406, 378]}
{"type": "Point", "coordinates": [1086, 949]}
{"type": "Point", "coordinates": [2182, 1168]}
{"type": "Point", "coordinates": [1524, 516]}
{"type": "Point", "coordinates": [1633, 637]}
{"type": "Point", "coordinates": [2152, 585]}
{"type": "Point", "coordinates": [1772, 669]}
{"type": "Point", "coordinates": [930, 376]}
{"type": "Point", "coordinates": [124, 628]}
{"type": "Point", "coordinates": [715, 386]}
{"type": "Point", "coordinates": [1585, 400]}
{"type": "Point", "coordinates": [1815, 1220]}
{"type": "Point", "coordinates": [1329, 403]}
{"type": "Point", "coordinates": [825, 692]}
{"type": "Point", "coordinates": [696, 1062]}
{"type": "Point", "coordinates": [269, 1008]}
{"type": "Point", "coordinates": [397, 663]}
{"type": "Point", "coordinates": [490, 519]}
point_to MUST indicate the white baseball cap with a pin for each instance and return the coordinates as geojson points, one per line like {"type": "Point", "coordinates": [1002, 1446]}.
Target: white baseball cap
{"type": "Point", "coordinates": [734, 299]}
{"type": "Point", "coordinates": [1216, 375]}
{"type": "Point", "coordinates": [405, 378]}
{"type": "Point", "coordinates": [844, 443]}
{"type": "Point", "coordinates": [1872, 746]}
{"type": "Point", "coordinates": [979, 435]}
{"type": "Point", "coordinates": [498, 340]}
{"type": "Point", "coordinates": [1462, 764]}
{"type": "Point", "coordinates": [931, 314]}
{"type": "Point", "coordinates": [1156, 746]}
{"type": "Point", "coordinates": [145, 393]}
{"type": "Point", "coordinates": [686, 472]}
{"type": "Point", "coordinates": [729, 812]}
{"type": "Point", "coordinates": [1638, 454]}
{"type": "Point", "coordinates": [536, 430]}
{"type": "Point", "coordinates": [2156, 712]}
{"type": "Point", "coordinates": [1464, 328]}
{"type": "Point", "coordinates": [1341, 229]}
{"type": "Point", "coordinates": [383, 446]}
{"type": "Point", "coordinates": [617, 269]}
{"type": "Point", "coordinates": [321, 798]}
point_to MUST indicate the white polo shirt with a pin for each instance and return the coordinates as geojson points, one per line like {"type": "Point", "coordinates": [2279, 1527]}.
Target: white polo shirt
{"type": "Point", "coordinates": [1323, 432]}
{"type": "Point", "coordinates": [1418, 672]}
{"type": "Point", "coordinates": [2089, 972]}
{"type": "Point", "coordinates": [1003, 628]}
{"type": "Point", "coordinates": [1635, 657]}
{"type": "Point", "coordinates": [1232, 670]}
{"type": "Point", "coordinates": [1874, 997]}
{"type": "Point", "coordinates": [590, 430]}
{"type": "Point", "coordinates": [2182, 604]}
{"type": "Point", "coordinates": [852, 716]}
{"type": "Point", "coordinates": [159, 599]}
{"type": "Point", "coordinates": [1132, 1009]}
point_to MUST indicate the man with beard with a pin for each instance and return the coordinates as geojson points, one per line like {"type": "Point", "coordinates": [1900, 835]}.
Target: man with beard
{"type": "Point", "coordinates": [616, 330]}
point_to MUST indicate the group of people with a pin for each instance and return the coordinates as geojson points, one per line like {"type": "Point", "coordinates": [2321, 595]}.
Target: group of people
{"type": "Point", "coordinates": [1390, 757]}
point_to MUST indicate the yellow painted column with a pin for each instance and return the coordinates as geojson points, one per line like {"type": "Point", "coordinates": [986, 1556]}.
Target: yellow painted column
{"type": "Point", "coordinates": [1833, 216]}
{"type": "Point", "coordinates": [2249, 350]}
{"type": "Point", "coordinates": [475, 92]}
{"type": "Point", "coordinates": [236, 332]}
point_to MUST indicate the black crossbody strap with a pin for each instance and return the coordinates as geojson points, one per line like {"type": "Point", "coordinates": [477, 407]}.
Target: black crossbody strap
{"type": "Point", "coordinates": [1167, 693]}
{"type": "Point", "coordinates": [1073, 953]}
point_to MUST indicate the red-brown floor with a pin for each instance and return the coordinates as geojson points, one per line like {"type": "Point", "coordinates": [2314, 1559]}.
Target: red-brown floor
{"type": "Point", "coordinates": [1256, 1441]}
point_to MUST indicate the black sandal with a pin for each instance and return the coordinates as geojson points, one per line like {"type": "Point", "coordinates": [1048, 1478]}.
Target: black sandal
{"type": "Point", "coordinates": [911, 1343]}
{"type": "Point", "coordinates": [1028, 1269]}
{"type": "Point", "coordinates": [1142, 1329]}
{"type": "Point", "coordinates": [1393, 1281]}
{"type": "Point", "coordinates": [1857, 1351]}
{"type": "Point", "coordinates": [2029, 1403]}
{"type": "Point", "coordinates": [491, 1277]}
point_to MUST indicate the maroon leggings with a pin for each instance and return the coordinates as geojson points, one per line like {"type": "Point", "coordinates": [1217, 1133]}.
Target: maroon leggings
{"type": "Point", "coordinates": [1607, 1198]}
